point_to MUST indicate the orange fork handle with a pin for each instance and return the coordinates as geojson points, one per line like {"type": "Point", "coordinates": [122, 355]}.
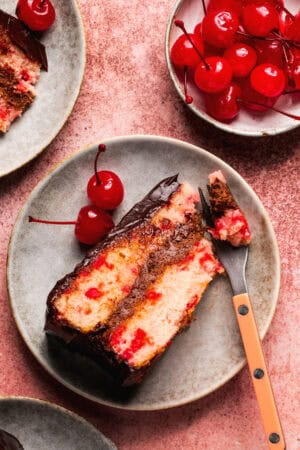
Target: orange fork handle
{"type": "Point", "coordinates": [259, 372]}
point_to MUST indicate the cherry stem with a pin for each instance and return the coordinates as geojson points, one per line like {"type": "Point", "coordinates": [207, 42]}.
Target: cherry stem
{"type": "Point", "coordinates": [188, 98]}
{"type": "Point", "coordinates": [275, 38]}
{"type": "Point", "coordinates": [101, 149]}
{"type": "Point", "coordinates": [204, 7]}
{"type": "Point", "coordinates": [180, 24]}
{"type": "Point", "coordinates": [273, 108]}
{"type": "Point", "coordinates": [50, 222]}
{"type": "Point", "coordinates": [294, 91]}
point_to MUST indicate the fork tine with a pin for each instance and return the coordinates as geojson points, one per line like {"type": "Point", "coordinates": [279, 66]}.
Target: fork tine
{"type": "Point", "coordinates": [206, 209]}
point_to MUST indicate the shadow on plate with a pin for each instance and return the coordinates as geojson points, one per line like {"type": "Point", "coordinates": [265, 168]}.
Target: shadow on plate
{"type": "Point", "coordinates": [82, 373]}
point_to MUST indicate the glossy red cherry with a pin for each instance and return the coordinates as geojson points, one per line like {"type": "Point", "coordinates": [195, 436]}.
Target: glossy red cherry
{"type": "Point", "coordinates": [293, 73]}
{"type": "Point", "coordinates": [183, 52]}
{"type": "Point", "coordinates": [285, 20]}
{"type": "Point", "coordinates": [292, 30]}
{"type": "Point", "coordinates": [242, 59]}
{"type": "Point", "coordinates": [223, 106]}
{"type": "Point", "coordinates": [268, 80]}
{"type": "Point", "coordinates": [269, 52]}
{"type": "Point", "coordinates": [105, 189]}
{"type": "Point", "coordinates": [209, 50]}
{"type": "Point", "coordinates": [259, 19]}
{"type": "Point", "coordinates": [229, 5]}
{"type": "Point", "coordinates": [38, 15]}
{"type": "Point", "coordinates": [92, 224]}
{"type": "Point", "coordinates": [219, 28]}
{"type": "Point", "coordinates": [253, 100]}
{"type": "Point", "coordinates": [214, 76]}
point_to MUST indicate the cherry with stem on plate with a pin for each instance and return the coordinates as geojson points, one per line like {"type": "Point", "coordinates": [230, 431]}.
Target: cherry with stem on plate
{"type": "Point", "coordinates": [104, 188]}
{"type": "Point", "coordinates": [38, 15]}
{"type": "Point", "coordinates": [92, 224]}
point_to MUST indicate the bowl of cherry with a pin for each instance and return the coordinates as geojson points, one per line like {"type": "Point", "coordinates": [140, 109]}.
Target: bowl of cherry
{"type": "Point", "coordinates": [236, 63]}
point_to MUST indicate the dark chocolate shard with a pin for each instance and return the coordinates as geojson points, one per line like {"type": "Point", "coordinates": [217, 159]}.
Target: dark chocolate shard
{"type": "Point", "coordinates": [24, 39]}
{"type": "Point", "coordinates": [9, 442]}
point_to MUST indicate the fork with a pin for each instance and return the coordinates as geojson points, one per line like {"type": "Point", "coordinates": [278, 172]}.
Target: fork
{"type": "Point", "coordinates": [234, 260]}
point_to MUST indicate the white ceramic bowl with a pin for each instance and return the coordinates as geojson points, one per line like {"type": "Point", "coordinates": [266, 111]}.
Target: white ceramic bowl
{"type": "Point", "coordinates": [246, 123]}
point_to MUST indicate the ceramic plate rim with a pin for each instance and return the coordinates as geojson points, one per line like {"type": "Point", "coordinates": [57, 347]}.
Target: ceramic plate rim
{"type": "Point", "coordinates": [68, 111]}
{"type": "Point", "coordinates": [187, 399]}
{"type": "Point", "coordinates": [56, 407]}
{"type": "Point", "coordinates": [222, 126]}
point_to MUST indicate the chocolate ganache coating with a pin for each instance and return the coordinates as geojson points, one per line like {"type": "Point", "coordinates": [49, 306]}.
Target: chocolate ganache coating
{"type": "Point", "coordinates": [24, 38]}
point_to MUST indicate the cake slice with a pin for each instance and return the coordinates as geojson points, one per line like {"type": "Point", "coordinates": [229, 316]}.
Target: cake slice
{"type": "Point", "coordinates": [21, 58]}
{"type": "Point", "coordinates": [83, 301]}
{"type": "Point", "coordinates": [230, 223]}
{"type": "Point", "coordinates": [139, 287]}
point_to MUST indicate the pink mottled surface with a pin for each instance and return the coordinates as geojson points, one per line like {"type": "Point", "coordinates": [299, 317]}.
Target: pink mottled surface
{"type": "Point", "coordinates": [127, 90]}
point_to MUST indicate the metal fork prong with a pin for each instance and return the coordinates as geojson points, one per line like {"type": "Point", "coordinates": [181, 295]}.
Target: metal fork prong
{"type": "Point", "coordinates": [206, 209]}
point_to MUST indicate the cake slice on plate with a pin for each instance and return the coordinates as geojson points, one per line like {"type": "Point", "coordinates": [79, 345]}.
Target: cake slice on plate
{"type": "Point", "coordinates": [139, 287]}
{"type": "Point", "coordinates": [21, 58]}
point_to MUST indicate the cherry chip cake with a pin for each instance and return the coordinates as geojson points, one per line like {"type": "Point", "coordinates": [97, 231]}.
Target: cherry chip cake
{"type": "Point", "coordinates": [22, 57]}
{"type": "Point", "coordinates": [230, 223]}
{"type": "Point", "coordinates": [129, 297]}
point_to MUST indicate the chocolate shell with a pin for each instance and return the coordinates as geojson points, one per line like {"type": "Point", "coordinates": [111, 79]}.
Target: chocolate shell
{"type": "Point", "coordinates": [21, 36]}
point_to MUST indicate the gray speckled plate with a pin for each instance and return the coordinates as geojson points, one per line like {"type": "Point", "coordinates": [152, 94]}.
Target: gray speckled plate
{"type": "Point", "coordinates": [57, 89]}
{"type": "Point", "coordinates": [203, 357]}
{"type": "Point", "coordinates": [44, 426]}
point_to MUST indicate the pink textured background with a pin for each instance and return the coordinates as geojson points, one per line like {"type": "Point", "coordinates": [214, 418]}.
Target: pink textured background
{"type": "Point", "coordinates": [127, 90]}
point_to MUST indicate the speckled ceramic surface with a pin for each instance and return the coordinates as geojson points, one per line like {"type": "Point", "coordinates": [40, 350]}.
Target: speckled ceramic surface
{"type": "Point", "coordinates": [246, 123]}
{"type": "Point", "coordinates": [57, 89]}
{"type": "Point", "coordinates": [44, 426]}
{"type": "Point", "coordinates": [203, 357]}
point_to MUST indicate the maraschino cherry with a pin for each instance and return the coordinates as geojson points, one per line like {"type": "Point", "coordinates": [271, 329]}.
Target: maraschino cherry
{"type": "Point", "coordinates": [214, 75]}
{"type": "Point", "coordinates": [183, 51]}
{"type": "Point", "coordinates": [242, 59]}
{"type": "Point", "coordinates": [227, 5]}
{"type": "Point", "coordinates": [92, 224]}
{"type": "Point", "coordinates": [268, 80]}
{"type": "Point", "coordinates": [219, 27]}
{"type": "Point", "coordinates": [105, 189]}
{"type": "Point", "coordinates": [253, 100]}
{"type": "Point", "coordinates": [259, 19]}
{"type": "Point", "coordinates": [38, 15]}
{"type": "Point", "coordinates": [224, 106]}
